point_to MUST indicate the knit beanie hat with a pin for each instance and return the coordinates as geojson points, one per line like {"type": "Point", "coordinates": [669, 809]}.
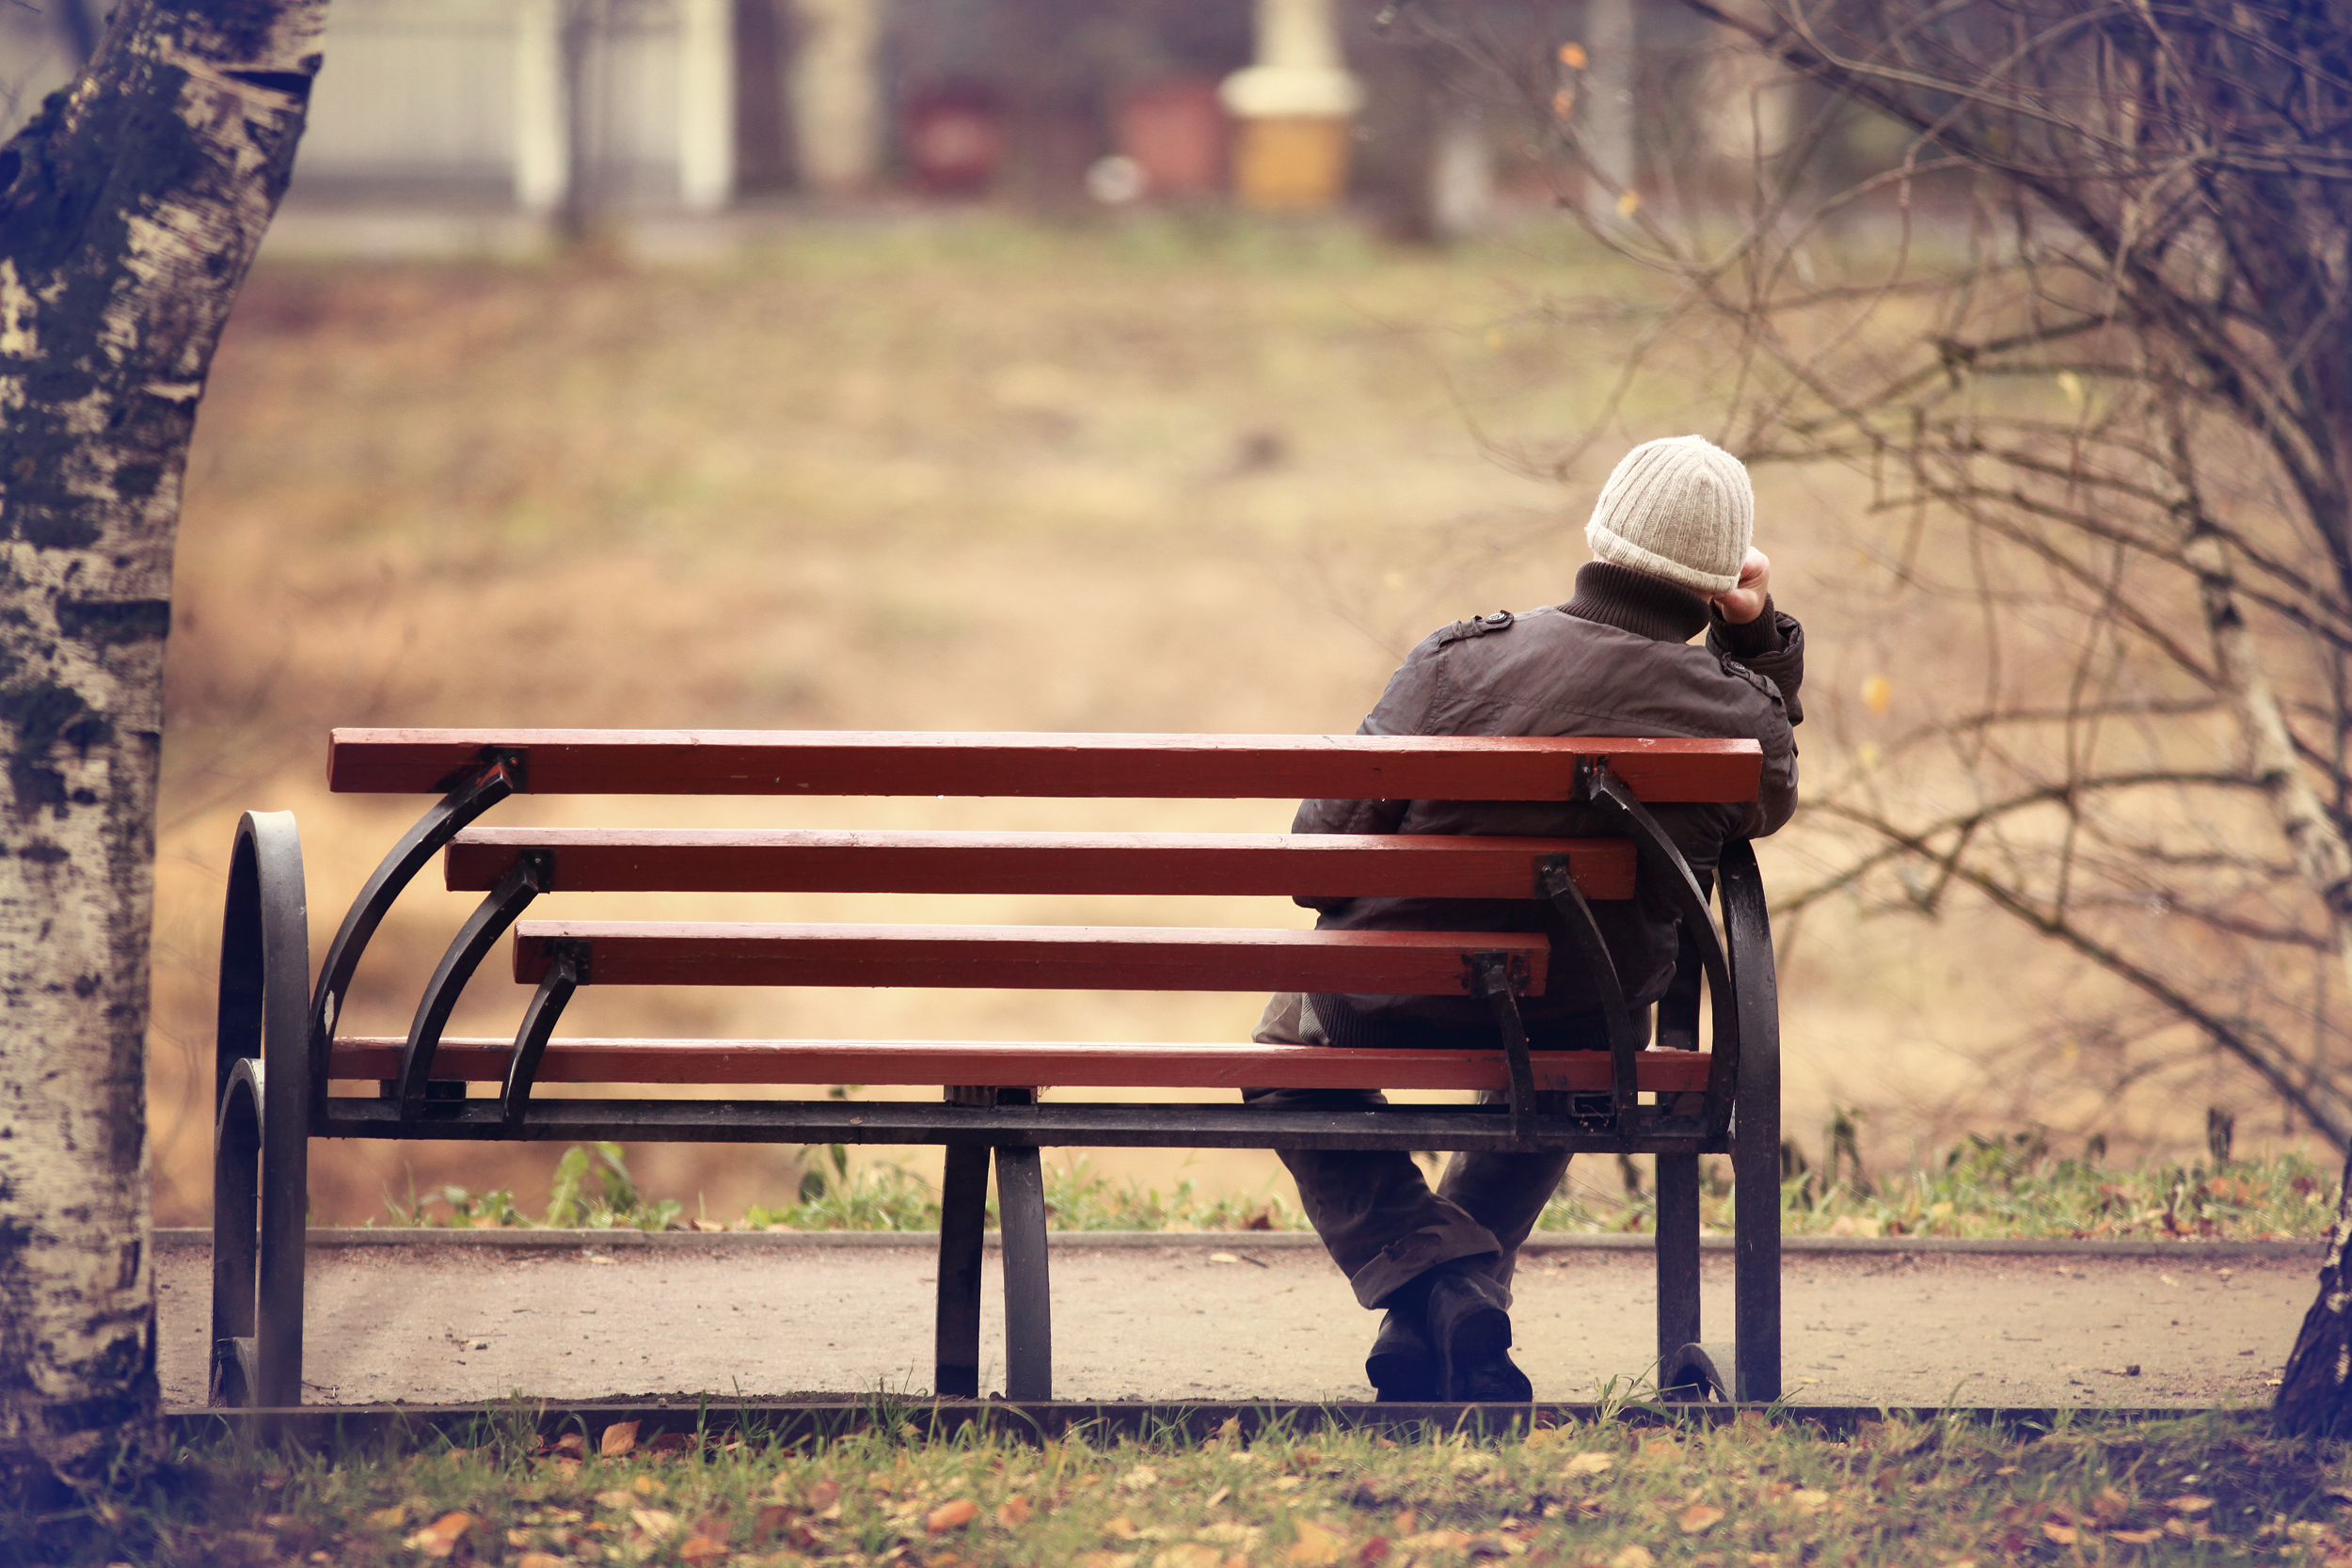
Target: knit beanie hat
{"type": "Point", "coordinates": [1681, 509]}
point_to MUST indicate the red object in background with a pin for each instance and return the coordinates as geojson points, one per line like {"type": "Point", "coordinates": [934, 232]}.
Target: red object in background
{"type": "Point", "coordinates": [954, 139]}
{"type": "Point", "coordinates": [1176, 130]}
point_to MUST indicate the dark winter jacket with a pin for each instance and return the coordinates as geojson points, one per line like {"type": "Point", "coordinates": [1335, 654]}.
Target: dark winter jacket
{"type": "Point", "coordinates": [1615, 661]}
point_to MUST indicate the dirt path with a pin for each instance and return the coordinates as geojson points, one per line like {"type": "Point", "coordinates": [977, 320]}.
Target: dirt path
{"type": "Point", "coordinates": [437, 1324]}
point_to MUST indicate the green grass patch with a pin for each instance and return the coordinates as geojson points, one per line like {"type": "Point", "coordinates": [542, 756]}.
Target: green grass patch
{"type": "Point", "coordinates": [1752, 1493]}
{"type": "Point", "coordinates": [1992, 1187]}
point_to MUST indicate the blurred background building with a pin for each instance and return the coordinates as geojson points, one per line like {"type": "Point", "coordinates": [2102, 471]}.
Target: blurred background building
{"type": "Point", "coordinates": [563, 108]}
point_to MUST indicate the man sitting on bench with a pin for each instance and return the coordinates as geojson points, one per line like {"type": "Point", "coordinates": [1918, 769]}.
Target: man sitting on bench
{"type": "Point", "coordinates": [1670, 541]}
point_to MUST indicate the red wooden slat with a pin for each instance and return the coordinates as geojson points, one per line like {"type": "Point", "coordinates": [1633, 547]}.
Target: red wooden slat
{"type": "Point", "coordinates": [1022, 1064]}
{"type": "Point", "coordinates": [829, 860]}
{"type": "Point", "coordinates": [1166, 766]}
{"type": "Point", "coordinates": [1024, 958]}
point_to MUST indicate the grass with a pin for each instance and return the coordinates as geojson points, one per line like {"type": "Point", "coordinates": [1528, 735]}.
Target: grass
{"type": "Point", "coordinates": [1754, 1494]}
{"type": "Point", "coordinates": [1997, 1185]}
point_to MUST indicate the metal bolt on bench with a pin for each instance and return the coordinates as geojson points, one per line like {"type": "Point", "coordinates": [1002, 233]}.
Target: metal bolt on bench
{"type": "Point", "coordinates": [277, 1049]}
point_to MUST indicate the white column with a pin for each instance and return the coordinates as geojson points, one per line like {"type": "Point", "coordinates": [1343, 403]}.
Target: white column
{"type": "Point", "coordinates": [1609, 132]}
{"type": "Point", "coordinates": [836, 93]}
{"type": "Point", "coordinates": [705, 134]}
{"type": "Point", "coordinates": [1295, 105]}
{"type": "Point", "coordinates": [542, 152]}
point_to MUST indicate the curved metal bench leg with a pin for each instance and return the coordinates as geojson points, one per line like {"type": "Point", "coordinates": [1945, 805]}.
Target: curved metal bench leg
{"type": "Point", "coordinates": [1029, 1302]}
{"type": "Point", "coordinates": [262, 1127]}
{"type": "Point", "coordinates": [1755, 1128]}
{"type": "Point", "coordinates": [962, 1230]}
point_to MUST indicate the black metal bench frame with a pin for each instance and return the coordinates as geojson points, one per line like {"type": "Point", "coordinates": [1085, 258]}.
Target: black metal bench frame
{"type": "Point", "coordinates": [276, 1034]}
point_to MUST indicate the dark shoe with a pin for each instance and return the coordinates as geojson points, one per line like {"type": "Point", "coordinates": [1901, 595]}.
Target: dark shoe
{"type": "Point", "coordinates": [1402, 1366]}
{"type": "Point", "coordinates": [1471, 1334]}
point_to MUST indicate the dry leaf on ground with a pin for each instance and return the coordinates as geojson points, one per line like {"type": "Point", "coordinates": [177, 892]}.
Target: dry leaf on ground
{"type": "Point", "coordinates": [1013, 1512]}
{"type": "Point", "coordinates": [701, 1549]}
{"type": "Point", "coordinates": [1809, 1500]}
{"type": "Point", "coordinates": [617, 1499]}
{"type": "Point", "coordinates": [2065, 1535]}
{"type": "Point", "coordinates": [1589, 1465]}
{"type": "Point", "coordinates": [1699, 1517]}
{"type": "Point", "coordinates": [619, 1438]}
{"type": "Point", "coordinates": [1106, 1559]}
{"type": "Point", "coordinates": [2191, 1504]}
{"type": "Point", "coordinates": [1191, 1554]}
{"type": "Point", "coordinates": [1141, 1479]}
{"type": "Point", "coordinates": [541, 1560]}
{"type": "Point", "coordinates": [658, 1522]}
{"type": "Point", "coordinates": [823, 1495]}
{"type": "Point", "coordinates": [1316, 1545]}
{"type": "Point", "coordinates": [1632, 1557]}
{"type": "Point", "coordinates": [389, 1518]}
{"type": "Point", "coordinates": [438, 1539]}
{"type": "Point", "coordinates": [951, 1516]}
{"type": "Point", "coordinates": [1119, 1527]}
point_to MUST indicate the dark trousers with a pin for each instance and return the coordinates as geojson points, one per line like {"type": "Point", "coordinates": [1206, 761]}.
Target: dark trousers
{"type": "Point", "coordinates": [1373, 1207]}
{"type": "Point", "coordinates": [1381, 1223]}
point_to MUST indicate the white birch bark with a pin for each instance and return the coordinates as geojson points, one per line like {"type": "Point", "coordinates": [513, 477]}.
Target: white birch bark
{"type": "Point", "coordinates": [130, 208]}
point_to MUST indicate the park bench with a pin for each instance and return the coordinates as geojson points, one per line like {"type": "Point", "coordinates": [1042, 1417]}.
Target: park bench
{"type": "Point", "coordinates": [279, 1050]}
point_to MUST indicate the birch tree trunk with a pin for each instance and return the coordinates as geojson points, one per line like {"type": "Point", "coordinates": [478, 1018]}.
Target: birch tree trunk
{"type": "Point", "coordinates": [130, 208]}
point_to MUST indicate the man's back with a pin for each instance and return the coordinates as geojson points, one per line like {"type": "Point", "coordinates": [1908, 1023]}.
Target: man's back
{"type": "Point", "coordinates": [1613, 660]}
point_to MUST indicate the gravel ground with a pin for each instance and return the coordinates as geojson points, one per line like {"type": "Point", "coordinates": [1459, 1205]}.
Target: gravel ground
{"type": "Point", "coordinates": [1225, 1319]}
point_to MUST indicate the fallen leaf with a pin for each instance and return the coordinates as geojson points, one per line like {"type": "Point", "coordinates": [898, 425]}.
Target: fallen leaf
{"type": "Point", "coordinates": [1315, 1546]}
{"type": "Point", "coordinates": [617, 1499]}
{"type": "Point", "coordinates": [1632, 1557]}
{"type": "Point", "coordinates": [2189, 1503]}
{"type": "Point", "coordinates": [541, 1560]}
{"type": "Point", "coordinates": [1224, 1257]}
{"type": "Point", "coordinates": [646, 1486]}
{"type": "Point", "coordinates": [1107, 1559]}
{"type": "Point", "coordinates": [1217, 1497]}
{"type": "Point", "coordinates": [389, 1518]}
{"type": "Point", "coordinates": [567, 1469]}
{"type": "Point", "coordinates": [1013, 1512]}
{"type": "Point", "coordinates": [438, 1539]}
{"type": "Point", "coordinates": [1287, 1484]}
{"type": "Point", "coordinates": [1590, 1464]}
{"type": "Point", "coordinates": [951, 1516]}
{"type": "Point", "coordinates": [1809, 1500]}
{"type": "Point", "coordinates": [1190, 1554]}
{"type": "Point", "coordinates": [1141, 1479]}
{"type": "Point", "coordinates": [2110, 1506]}
{"type": "Point", "coordinates": [700, 1549]}
{"type": "Point", "coordinates": [619, 1438]}
{"type": "Point", "coordinates": [823, 1495]}
{"type": "Point", "coordinates": [2136, 1537]}
{"type": "Point", "coordinates": [1660, 1448]}
{"type": "Point", "coordinates": [1119, 1527]}
{"type": "Point", "coordinates": [671, 1445]}
{"type": "Point", "coordinates": [2065, 1535]}
{"type": "Point", "coordinates": [1372, 1551]}
{"type": "Point", "coordinates": [655, 1522]}
{"type": "Point", "coordinates": [1698, 1518]}
{"type": "Point", "coordinates": [572, 1444]}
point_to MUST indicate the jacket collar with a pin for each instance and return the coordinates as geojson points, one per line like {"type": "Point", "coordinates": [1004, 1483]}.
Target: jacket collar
{"type": "Point", "coordinates": [1637, 602]}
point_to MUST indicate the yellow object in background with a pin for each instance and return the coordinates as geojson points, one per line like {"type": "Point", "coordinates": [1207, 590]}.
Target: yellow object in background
{"type": "Point", "coordinates": [1290, 163]}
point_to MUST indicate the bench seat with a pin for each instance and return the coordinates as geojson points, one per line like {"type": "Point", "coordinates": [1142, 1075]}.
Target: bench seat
{"type": "Point", "coordinates": [1338, 865]}
{"type": "Point", "coordinates": [1022, 1064]}
{"type": "Point", "coordinates": [1052, 958]}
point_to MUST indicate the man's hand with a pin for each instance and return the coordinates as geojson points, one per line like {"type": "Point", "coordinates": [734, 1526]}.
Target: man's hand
{"type": "Point", "coordinates": [1744, 603]}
